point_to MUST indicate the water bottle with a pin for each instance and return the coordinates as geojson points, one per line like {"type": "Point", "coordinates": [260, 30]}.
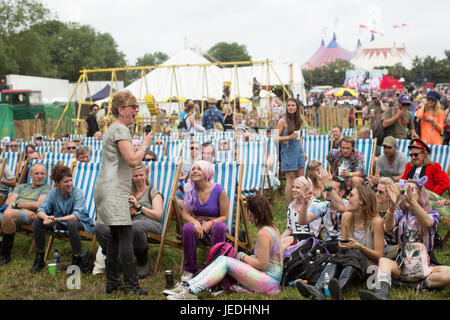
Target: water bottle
{"type": "Point", "coordinates": [56, 259]}
{"type": "Point", "coordinates": [325, 285]}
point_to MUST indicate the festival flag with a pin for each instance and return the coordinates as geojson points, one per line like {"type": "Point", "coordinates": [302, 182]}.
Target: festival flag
{"type": "Point", "coordinates": [373, 31]}
{"type": "Point", "coordinates": [362, 26]}
{"type": "Point", "coordinates": [395, 26]}
{"type": "Point", "coordinates": [404, 25]}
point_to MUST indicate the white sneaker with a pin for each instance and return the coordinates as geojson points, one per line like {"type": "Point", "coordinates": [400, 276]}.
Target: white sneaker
{"type": "Point", "coordinates": [177, 289]}
{"type": "Point", "coordinates": [186, 276]}
{"type": "Point", "coordinates": [184, 294]}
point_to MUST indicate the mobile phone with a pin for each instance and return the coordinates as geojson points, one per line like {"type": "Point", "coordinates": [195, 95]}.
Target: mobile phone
{"type": "Point", "coordinates": [148, 129]}
{"type": "Point", "coordinates": [344, 240]}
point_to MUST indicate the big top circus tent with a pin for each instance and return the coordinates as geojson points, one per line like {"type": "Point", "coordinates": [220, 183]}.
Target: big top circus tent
{"type": "Point", "coordinates": [381, 51]}
{"type": "Point", "coordinates": [324, 55]}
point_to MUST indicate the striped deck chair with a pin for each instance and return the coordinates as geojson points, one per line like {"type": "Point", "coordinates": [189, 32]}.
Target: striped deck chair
{"type": "Point", "coordinates": [174, 148]}
{"type": "Point", "coordinates": [317, 148]}
{"type": "Point", "coordinates": [15, 162]}
{"type": "Point", "coordinates": [95, 155]}
{"type": "Point", "coordinates": [224, 156]}
{"type": "Point", "coordinates": [367, 147]}
{"type": "Point", "coordinates": [93, 144]}
{"type": "Point", "coordinates": [47, 149]}
{"type": "Point", "coordinates": [402, 145]}
{"type": "Point", "coordinates": [163, 176]}
{"type": "Point", "coordinates": [228, 175]}
{"type": "Point", "coordinates": [440, 154]}
{"type": "Point", "coordinates": [84, 177]}
{"type": "Point", "coordinates": [159, 150]}
{"type": "Point", "coordinates": [348, 132]}
{"type": "Point", "coordinates": [252, 155]}
{"type": "Point", "coordinates": [67, 158]}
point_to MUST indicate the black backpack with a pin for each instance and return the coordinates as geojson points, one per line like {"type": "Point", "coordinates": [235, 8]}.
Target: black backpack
{"type": "Point", "coordinates": [182, 124]}
{"type": "Point", "coordinates": [299, 261]}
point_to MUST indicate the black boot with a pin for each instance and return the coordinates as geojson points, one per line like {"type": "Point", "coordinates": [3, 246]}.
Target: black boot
{"type": "Point", "coordinates": [309, 291]}
{"type": "Point", "coordinates": [131, 280]}
{"type": "Point", "coordinates": [113, 281]}
{"type": "Point", "coordinates": [337, 286]}
{"type": "Point", "coordinates": [5, 248]}
{"type": "Point", "coordinates": [377, 294]}
{"type": "Point", "coordinates": [39, 262]}
{"type": "Point", "coordinates": [143, 269]}
{"type": "Point", "coordinates": [76, 260]}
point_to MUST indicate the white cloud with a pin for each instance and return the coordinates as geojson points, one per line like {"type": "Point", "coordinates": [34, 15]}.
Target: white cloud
{"type": "Point", "coordinates": [281, 30]}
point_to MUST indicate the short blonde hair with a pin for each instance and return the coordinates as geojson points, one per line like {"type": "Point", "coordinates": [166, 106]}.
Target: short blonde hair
{"type": "Point", "coordinates": [120, 99]}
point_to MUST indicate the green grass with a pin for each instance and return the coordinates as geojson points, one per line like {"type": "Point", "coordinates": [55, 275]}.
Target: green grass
{"type": "Point", "coordinates": [18, 283]}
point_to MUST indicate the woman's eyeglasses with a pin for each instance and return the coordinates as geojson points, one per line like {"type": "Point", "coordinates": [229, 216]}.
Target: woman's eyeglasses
{"type": "Point", "coordinates": [413, 155]}
{"type": "Point", "coordinates": [134, 106]}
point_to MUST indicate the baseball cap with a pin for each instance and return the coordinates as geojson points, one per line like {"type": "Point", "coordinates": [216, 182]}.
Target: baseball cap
{"type": "Point", "coordinates": [433, 95]}
{"type": "Point", "coordinates": [390, 141]}
{"type": "Point", "coordinates": [404, 99]}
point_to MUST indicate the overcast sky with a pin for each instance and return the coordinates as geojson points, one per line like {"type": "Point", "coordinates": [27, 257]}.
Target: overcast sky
{"type": "Point", "coordinates": [280, 30]}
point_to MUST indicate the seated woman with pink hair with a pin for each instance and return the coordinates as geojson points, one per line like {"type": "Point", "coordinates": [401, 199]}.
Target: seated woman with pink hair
{"type": "Point", "coordinates": [205, 213]}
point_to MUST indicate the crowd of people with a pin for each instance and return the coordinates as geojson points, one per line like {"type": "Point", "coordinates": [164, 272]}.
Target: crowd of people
{"type": "Point", "coordinates": [370, 218]}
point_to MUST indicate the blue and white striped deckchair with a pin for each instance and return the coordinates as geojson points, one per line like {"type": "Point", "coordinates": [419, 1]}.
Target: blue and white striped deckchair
{"type": "Point", "coordinates": [159, 150]}
{"type": "Point", "coordinates": [77, 136]}
{"type": "Point", "coordinates": [367, 147]}
{"type": "Point", "coordinates": [163, 176]}
{"type": "Point", "coordinates": [402, 145]}
{"type": "Point", "coordinates": [252, 155]}
{"type": "Point", "coordinates": [224, 156]}
{"type": "Point", "coordinates": [305, 131]}
{"type": "Point", "coordinates": [93, 144]}
{"type": "Point", "coordinates": [348, 132]}
{"type": "Point", "coordinates": [46, 149]}
{"type": "Point", "coordinates": [13, 161]}
{"type": "Point", "coordinates": [84, 177]}
{"type": "Point", "coordinates": [441, 155]}
{"type": "Point", "coordinates": [95, 155]}
{"type": "Point", "coordinates": [65, 157]}
{"type": "Point", "coordinates": [317, 148]}
{"type": "Point", "coordinates": [174, 148]}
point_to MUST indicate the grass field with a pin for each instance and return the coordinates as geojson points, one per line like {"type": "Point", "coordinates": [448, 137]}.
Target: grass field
{"type": "Point", "coordinates": [17, 283]}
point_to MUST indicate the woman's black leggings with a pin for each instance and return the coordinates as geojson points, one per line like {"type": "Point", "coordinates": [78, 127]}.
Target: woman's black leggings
{"type": "Point", "coordinates": [121, 244]}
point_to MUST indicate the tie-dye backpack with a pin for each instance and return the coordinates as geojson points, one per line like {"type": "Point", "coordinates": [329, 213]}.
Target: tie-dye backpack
{"type": "Point", "coordinates": [414, 262]}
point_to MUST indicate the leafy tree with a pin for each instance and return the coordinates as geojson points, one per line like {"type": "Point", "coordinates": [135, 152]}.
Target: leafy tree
{"type": "Point", "coordinates": [20, 15]}
{"type": "Point", "coordinates": [332, 74]}
{"type": "Point", "coordinates": [228, 52]}
{"type": "Point", "coordinates": [152, 59]}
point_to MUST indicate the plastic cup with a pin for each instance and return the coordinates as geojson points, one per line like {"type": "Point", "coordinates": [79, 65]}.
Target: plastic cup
{"type": "Point", "coordinates": [52, 268]}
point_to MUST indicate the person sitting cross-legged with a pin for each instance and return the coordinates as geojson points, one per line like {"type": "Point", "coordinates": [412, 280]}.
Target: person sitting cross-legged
{"type": "Point", "coordinates": [23, 202]}
{"type": "Point", "coordinates": [64, 208]}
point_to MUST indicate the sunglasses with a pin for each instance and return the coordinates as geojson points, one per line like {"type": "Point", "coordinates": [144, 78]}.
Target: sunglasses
{"type": "Point", "coordinates": [38, 138]}
{"type": "Point", "coordinates": [379, 192]}
{"type": "Point", "coordinates": [413, 155]}
{"type": "Point", "coordinates": [13, 145]}
{"type": "Point", "coordinates": [71, 148]}
{"type": "Point", "coordinates": [194, 148]}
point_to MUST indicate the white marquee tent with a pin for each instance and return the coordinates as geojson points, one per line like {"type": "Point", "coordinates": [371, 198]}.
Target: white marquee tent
{"type": "Point", "coordinates": [381, 52]}
{"type": "Point", "coordinates": [198, 81]}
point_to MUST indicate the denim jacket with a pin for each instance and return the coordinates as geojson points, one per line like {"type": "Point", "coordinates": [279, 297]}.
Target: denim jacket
{"type": "Point", "coordinates": [75, 203]}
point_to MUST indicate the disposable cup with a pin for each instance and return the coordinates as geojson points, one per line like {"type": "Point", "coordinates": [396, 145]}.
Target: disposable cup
{"type": "Point", "coordinates": [52, 268]}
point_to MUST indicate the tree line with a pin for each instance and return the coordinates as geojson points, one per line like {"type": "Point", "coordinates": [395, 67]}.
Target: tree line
{"type": "Point", "coordinates": [426, 69]}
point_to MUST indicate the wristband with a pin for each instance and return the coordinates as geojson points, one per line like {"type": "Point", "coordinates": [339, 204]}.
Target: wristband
{"type": "Point", "coordinates": [351, 174]}
{"type": "Point", "coordinates": [360, 246]}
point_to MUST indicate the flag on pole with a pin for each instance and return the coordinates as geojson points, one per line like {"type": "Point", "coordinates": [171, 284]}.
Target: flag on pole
{"type": "Point", "coordinates": [404, 25]}
{"type": "Point", "coordinates": [372, 31]}
{"type": "Point", "coordinates": [362, 26]}
{"type": "Point", "coordinates": [395, 26]}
